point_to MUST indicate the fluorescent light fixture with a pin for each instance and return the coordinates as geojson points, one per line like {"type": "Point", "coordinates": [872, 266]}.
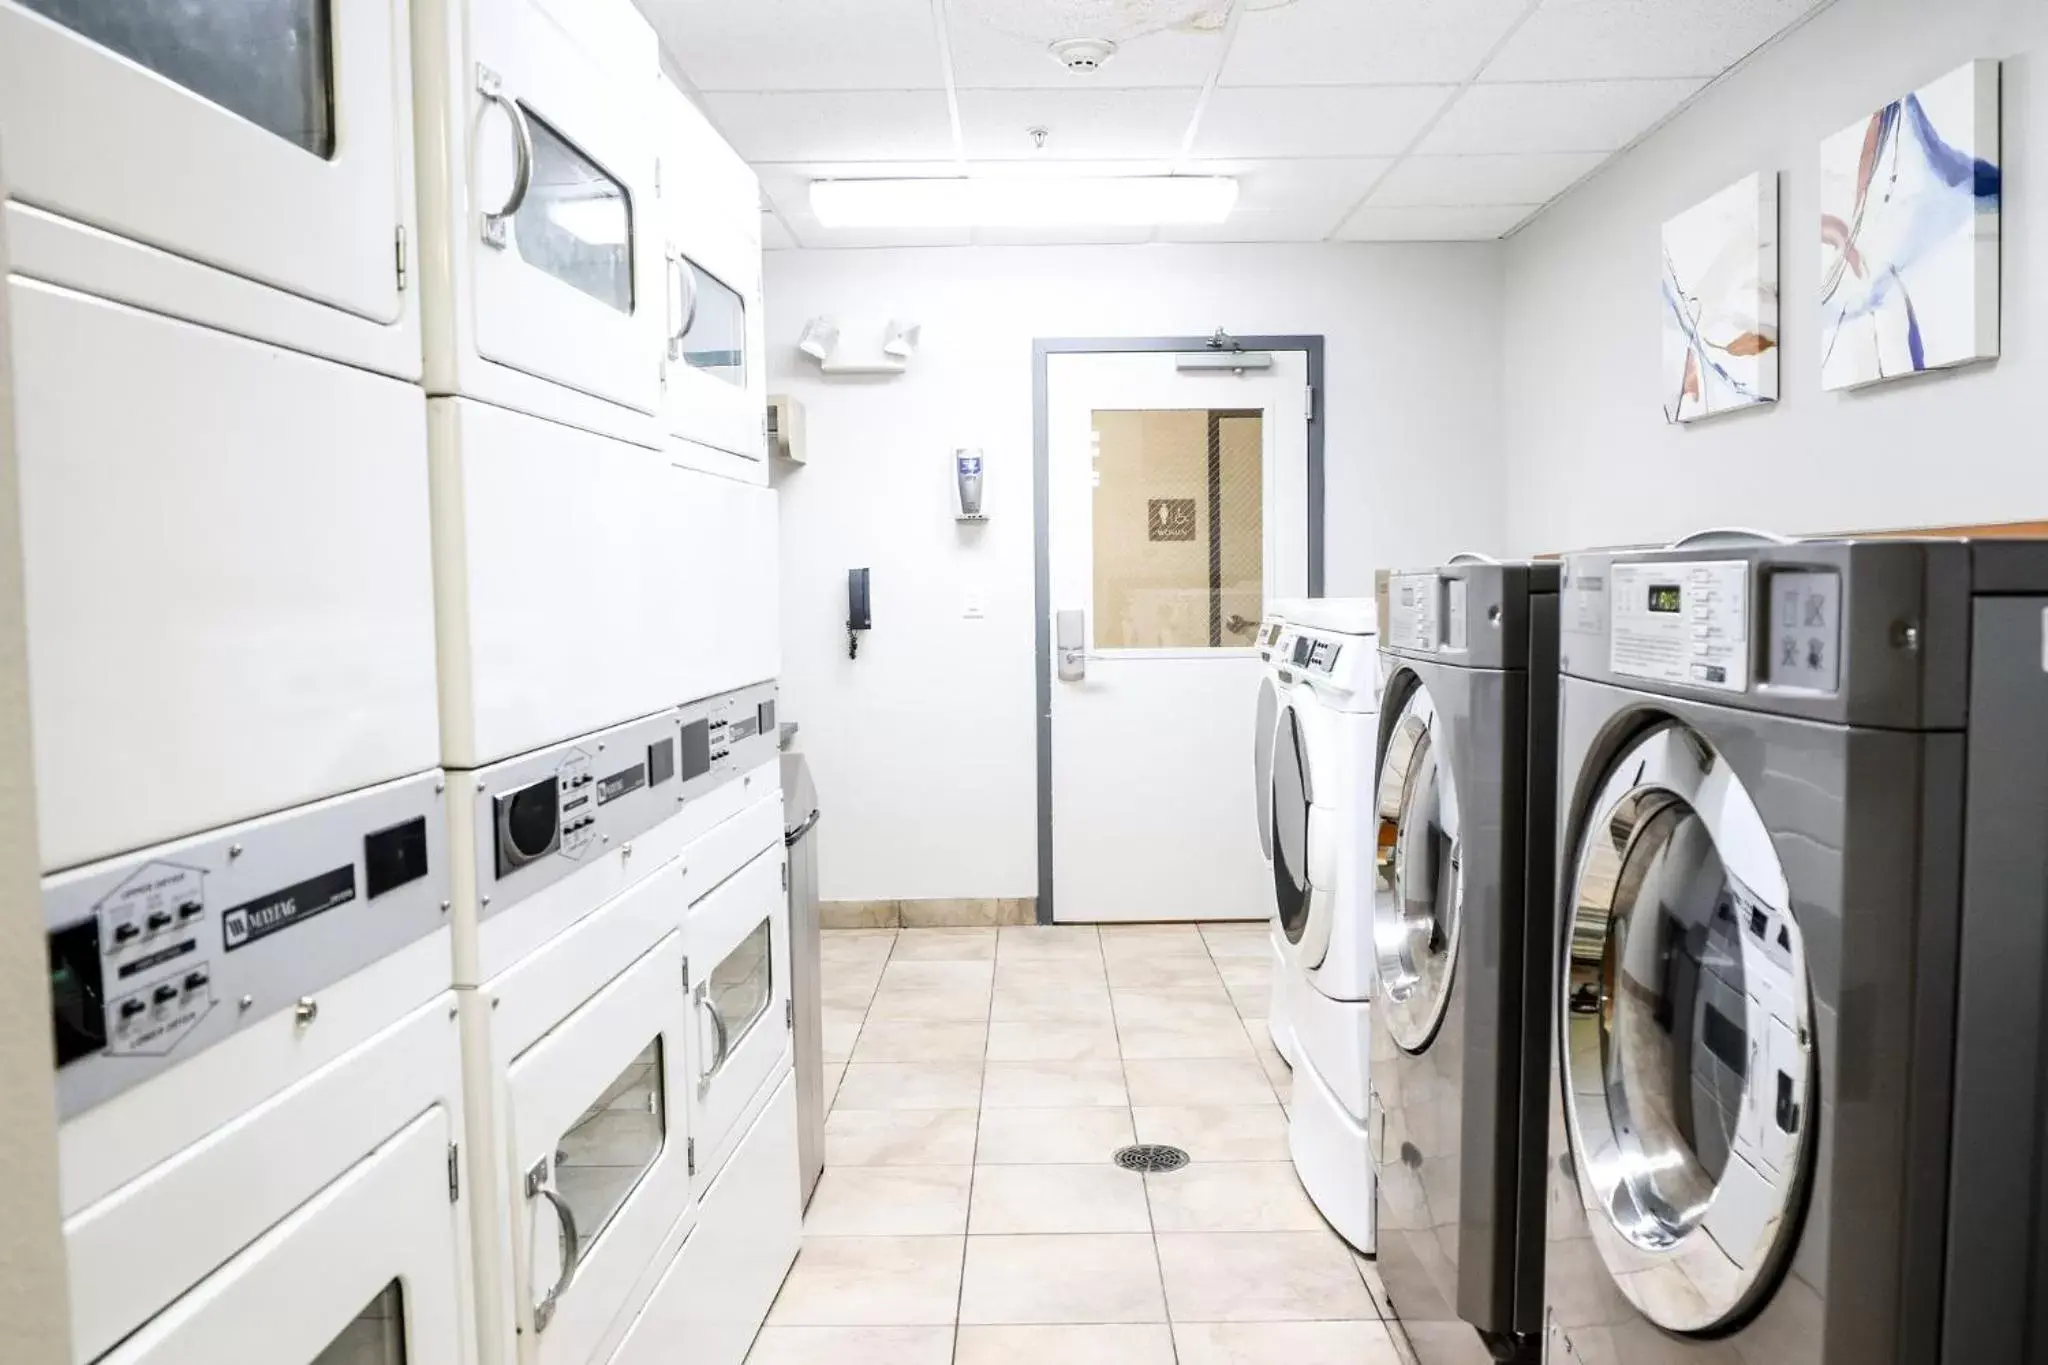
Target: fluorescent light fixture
{"type": "Point", "coordinates": [1024, 201]}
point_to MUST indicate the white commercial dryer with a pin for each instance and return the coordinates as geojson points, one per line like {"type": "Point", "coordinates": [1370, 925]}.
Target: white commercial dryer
{"type": "Point", "coordinates": [1464, 820]}
{"type": "Point", "coordinates": [1323, 744]}
{"type": "Point", "coordinates": [1278, 1021]}
{"type": "Point", "coordinates": [623, 920]}
{"type": "Point", "coordinates": [1800, 953]}
{"type": "Point", "coordinates": [260, 1093]}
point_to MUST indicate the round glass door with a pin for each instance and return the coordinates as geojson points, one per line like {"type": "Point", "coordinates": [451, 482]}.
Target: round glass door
{"type": "Point", "coordinates": [1687, 1026]}
{"type": "Point", "coordinates": [1262, 763]}
{"type": "Point", "coordinates": [1292, 796]}
{"type": "Point", "coordinates": [1418, 883]}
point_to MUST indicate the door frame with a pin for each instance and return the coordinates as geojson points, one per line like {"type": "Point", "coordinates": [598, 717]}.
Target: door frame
{"type": "Point", "coordinates": [1042, 349]}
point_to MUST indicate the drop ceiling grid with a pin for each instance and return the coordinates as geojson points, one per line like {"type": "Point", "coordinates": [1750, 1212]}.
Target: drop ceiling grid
{"type": "Point", "coordinates": [1342, 119]}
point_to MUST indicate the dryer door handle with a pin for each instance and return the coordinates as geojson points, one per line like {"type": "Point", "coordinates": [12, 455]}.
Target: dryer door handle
{"type": "Point", "coordinates": [570, 1241]}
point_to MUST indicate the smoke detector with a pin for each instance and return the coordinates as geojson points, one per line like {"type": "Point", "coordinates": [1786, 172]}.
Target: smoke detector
{"type": "Point", "coordinates": [1083, 56]}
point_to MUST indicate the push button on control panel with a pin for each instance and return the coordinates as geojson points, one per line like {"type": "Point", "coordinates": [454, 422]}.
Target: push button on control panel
{"type": "Point", "coordinates": [164, 994]}
{"type": "Point", "coordinates": [127, 933]}
{"type": "Point", "coordinates": [161, 919]}
{"type": "Point", "coordinates": [191, 910]}
{"type": "Point", "coordinates": [195, 981]}
{"type": "Point", "coordinates": [132, 1007]}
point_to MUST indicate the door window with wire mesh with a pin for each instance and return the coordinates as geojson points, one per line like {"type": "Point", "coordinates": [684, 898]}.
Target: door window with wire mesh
{"type": "Point", "coordinates": [1179, 528]}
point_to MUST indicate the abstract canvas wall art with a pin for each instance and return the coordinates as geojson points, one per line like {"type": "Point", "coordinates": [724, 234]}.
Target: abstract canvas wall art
{"type": "Point", "coordinates": [1721, 302]}
{"type": "Point", "coordinates": [1909, 234]}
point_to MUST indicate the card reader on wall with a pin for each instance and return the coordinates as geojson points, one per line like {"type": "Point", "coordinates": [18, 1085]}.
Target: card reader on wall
{"type": "Point", "coordinates": [858, 615]}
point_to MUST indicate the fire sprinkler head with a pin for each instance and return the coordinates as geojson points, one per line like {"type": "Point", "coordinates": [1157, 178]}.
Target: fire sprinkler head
{"type": "Point", "coordinates": [1083, 55]}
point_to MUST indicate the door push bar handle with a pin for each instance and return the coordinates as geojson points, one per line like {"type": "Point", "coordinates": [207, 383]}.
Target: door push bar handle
{"type": "Point", "coordinates": [492, 87]}
{"type": "Point", "coordinates": [570, 1242]}
{"type": "Point", "coordinates": [1070, 640]}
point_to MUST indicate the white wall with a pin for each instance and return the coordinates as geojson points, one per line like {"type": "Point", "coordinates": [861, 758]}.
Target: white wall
{"type": "Point", "coordinates": [925, 747]}
{"type": "Point", "coordinates": [1589, 458]}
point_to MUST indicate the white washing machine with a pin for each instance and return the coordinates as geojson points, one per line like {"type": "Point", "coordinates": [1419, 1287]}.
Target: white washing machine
{"type": "Point", "coordinates": [1278, 1018]}
{"type": "Point", "coordinates": [260, 1092]}
{"type": "Point", "coordinates": [629, 1083]}
{"type": "Point", "coordinates": [1323, 745]}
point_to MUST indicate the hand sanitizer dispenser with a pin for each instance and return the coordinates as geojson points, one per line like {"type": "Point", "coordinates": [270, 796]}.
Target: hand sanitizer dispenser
{"type": "Point", "coordinates": [967, 486]}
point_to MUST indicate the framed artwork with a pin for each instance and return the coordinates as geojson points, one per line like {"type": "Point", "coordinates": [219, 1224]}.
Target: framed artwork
{"type": "Point", "coordinates": [1721, 302]}
{"type": "Point", "coordinates": [1909, 234]}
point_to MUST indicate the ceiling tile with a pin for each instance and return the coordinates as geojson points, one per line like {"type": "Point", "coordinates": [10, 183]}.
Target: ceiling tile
{"type": "Point", "coordinates": [1367, 42]}
{"type": "Point", "coordinates": [1484, 223]}
{"type": "Point", "coordinates": [1320, 121]}
{"type": "Point", "coordinates": [1438, 180]}
{"type": "Point", "coordinates": [1587, 39]}
{"type": "Point", "coordinates": [887, 125]}
{"type": "Point", "coordinates": [1313, 182]}
{"type": "Point", "coordinates": [985, 58]}
{"type": "Point", "coordinates": [1055, 236]}
{"type": "Point", "coordinates": [1582, 116]}
{"type": "Point", "coordinates": [1097, 124]}
{"type": "Point", "coordinates": [1261, 225]}
{"type": "Point", "coordinates": [802, 44]}
{"type": "Point", "coordinates": [774, 236]}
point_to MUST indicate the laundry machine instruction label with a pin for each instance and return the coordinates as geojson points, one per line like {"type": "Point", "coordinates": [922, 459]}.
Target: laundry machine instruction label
{"type": "Point", "coordinates": [1413, 616]}
{"type": "Point", "coordinates": [1681, 623]}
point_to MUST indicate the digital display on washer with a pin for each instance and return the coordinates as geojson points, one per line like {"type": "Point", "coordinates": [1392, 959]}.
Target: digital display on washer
{"type": "Point", "coordinates": [1303, 647]}
{"type": "Point", "coordinates": [1666, 598]}
{"type": "Point", "coordinates": [78, 1015]}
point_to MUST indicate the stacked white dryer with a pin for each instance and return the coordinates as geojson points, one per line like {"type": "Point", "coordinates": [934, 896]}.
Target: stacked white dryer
{"type": "Point", "coordinates": [606, 600]}
{"type": "Point", "coordinates": [222, 448]}
{"type": "Point", "coordinates": [400, 579]}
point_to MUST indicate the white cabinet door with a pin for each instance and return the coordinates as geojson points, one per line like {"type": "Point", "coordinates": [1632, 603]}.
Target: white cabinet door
{"type": "Point", "coordinates": [364, 1273]}
{"type": "Point", "coordinates": [714, 377]}
{"type": "Point", "coordinates": [600, 1168]}
{"type": "Point", "coordinates": [564, 241]}
{"type": "Point", "coordinates": [727, 583]}
{"type": "Point", "coordinates": [556, 567]}
{"type": "Point", "coordinates": [228, 574]}
{"type": "Point", "coordinates": [271, 139]}
{"type": "Point", "coordinates": [738, 938]}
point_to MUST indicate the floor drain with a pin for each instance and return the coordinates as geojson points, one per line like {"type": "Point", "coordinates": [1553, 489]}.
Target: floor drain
{"type": "Point", "coordinates": [1151, 1156]}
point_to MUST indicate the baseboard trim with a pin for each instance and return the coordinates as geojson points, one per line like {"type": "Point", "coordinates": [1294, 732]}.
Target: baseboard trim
{"type": "Point", "coordinates": [927, 914]}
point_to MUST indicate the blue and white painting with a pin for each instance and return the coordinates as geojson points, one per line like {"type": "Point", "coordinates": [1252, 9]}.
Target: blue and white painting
{"type": "Point", "coordinates": [1909, 234]}
{"type": "Point", "coordinates": [1721, 302]}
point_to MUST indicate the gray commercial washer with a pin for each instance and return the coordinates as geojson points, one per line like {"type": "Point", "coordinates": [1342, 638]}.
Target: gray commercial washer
{"type": "Point", "coordinates": [1797, 1088]}
{"type": "Point", "coordinates": [1462, 888]}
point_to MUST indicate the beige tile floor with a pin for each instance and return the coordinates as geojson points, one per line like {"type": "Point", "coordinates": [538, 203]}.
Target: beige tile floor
{"type": "Point", "coordinates": [978, 1081]}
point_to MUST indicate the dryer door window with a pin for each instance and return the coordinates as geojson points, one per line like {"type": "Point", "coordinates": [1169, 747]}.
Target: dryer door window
{"type": "Point", "coordinates": [1418, 881]}
{"type": "Point", "coordinates": [1687, 1022]}
{"type": "Point", "coordinates": [1262, 763]}
{"type": "Point", "coordinates": [376, 1337]}
{"type": "Point", "coordinates": [271, 61]}
{"type": "Point", "coordinates": [1292, 795]}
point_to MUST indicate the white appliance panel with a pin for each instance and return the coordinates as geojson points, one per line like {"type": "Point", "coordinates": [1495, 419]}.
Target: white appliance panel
{"type": "Point", "coordinates": [738, 944]}
{"type": "Point", "coordinates": [714, 375]}
{"type": "Point", "coordinates": [556, 566]}
{"type": "Point", "coordinates": [557, 1147]}
{"type": "Point", "coordinates": [228, 574]}
{"type": "Point", "coordinates": [313, 1202]}
{"type": "Point", "coordinates": [227, 151]}
{"type": "Point", "coordinates": [544, 284]}
{"type": "Point", "coordinates": [715, 1294]}
{"type": "Point", "coordinates": [727, 583]}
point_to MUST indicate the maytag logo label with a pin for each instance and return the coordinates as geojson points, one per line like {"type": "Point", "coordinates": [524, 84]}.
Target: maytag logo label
{"type": "Point", "coordinates": [244, 924]}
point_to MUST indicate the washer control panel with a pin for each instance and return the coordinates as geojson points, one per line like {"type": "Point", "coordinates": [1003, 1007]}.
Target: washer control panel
{"type": "Point", "coordinates": [1681, 623]}
{"type": "Point", "coordinates": [157, 955]}
{"type": "Point", "coordinates": [541, 816]}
